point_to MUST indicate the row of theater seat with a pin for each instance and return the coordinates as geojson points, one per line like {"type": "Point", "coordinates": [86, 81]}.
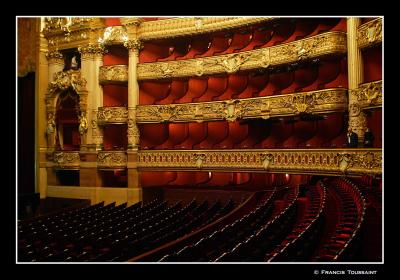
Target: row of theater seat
{"type": "Point", "coordinates": [350, 209]}
{"type": "Point", "coordinates": [328, 73]}
{"type": "Point", "coordinates": [113, 233]}
{"type": "Point", "coordinates": [322, 133]}
{"type": "Point", "coordinates": [239, 40]}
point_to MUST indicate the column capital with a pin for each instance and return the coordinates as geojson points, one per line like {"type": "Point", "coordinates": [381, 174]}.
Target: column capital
{"type": "Point", "coordinates": [54, 56]}
{"type": "Point", "coordinates": [134, 45]}
{"type": "Point", "coordinates": [92, 50]}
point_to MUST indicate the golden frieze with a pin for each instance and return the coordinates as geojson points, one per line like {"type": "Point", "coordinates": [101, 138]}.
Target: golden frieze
{"type": "Point", "coordinates": [302, 161]}
{"type": "Point", "coordinates": [66, 160]}
{"type": "Point", "coordinates": [112, 115]}
{"type": "Point", "coordinates": [313, 102]}
{"type": "Point", "coordinates": [177, 27]}
{"type": "Point", "coordinates": [369, 94]}
{"type": "Point", "coordinates": [370, 33]}
{"type": "Point", "coordinates": [316, 46]}
{"type": "Point", "coordinates": [113, 74]}
{"type": "Point", "coordinates": [111, 159]}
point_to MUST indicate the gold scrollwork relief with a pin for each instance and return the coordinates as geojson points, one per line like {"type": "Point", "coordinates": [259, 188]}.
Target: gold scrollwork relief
{"type": "Point", "coordinates": [113, 74]}
{"type": "Point", "coordinates": [66, 160]}
{"type": "Point", "coordinates": [114, 35]}
{"type": "Point", "coordinates": [369, 94]}
{"type": "Point", "coordinates": [64, 79]}
{"type": "Point", "coordinates": [309, 161]}
{"type": "Point", "coordinates": [370, 33]}
{"type": "Point", "coordinates": [326, 43]}
{"type": "Point", "coordinates": [111, 159]}
{"type": "Point", "coordinates": [322, 101]}
{"type": "Point", "coordinates": [112, 115]}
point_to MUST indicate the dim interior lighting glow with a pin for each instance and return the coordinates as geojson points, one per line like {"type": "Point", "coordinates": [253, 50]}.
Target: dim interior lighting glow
{"type": "Point", "coordinates": [209, 174]}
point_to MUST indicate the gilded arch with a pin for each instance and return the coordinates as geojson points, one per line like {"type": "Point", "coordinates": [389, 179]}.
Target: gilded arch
{"type": "Point", "coordinates": [64, 80]}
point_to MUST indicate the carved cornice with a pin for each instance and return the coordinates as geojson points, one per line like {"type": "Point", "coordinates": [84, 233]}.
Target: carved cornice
{"type": "Point", "coordinates": [369, 95]}
{"type": "Point", "coordinates": [316, 46]}
{"type": "Point", "coordinates": [114, 35]}
{"type": "Point", "coordinates": [66, 160]}
{"type": "Point", "coordinates": [370, 33]}
{"type": "Point", "coordinates": [129, 21]}
{"type": "Point", "coordinates": [62, 80]}
{"type": "Point", "coordinates": [301, 161]}
{"type": "Point", "coordinates": [64, 34]}
{"type": "Point", "coordinates": [111, 159]}
{"type": "Point", "coordinates": [313, 102]}
{"type": "Point", "coordinates": [112, 115]}
{"type": "Point", "coordinates": [113, 74]}
{"type": "Point", "coordinates": [176, 27]}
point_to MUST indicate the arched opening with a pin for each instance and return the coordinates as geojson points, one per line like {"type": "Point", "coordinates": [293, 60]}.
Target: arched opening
{"type": "Point", "coordinates": [67, 121]}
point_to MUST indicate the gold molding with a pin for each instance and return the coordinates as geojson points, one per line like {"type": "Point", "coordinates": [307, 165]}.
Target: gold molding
{"type": "Point", "coordinates": [369, 95]}
{"type": "Point", "coordinates": [316, 46]}
{"type": "Point", "coordinates": [312, 102]}
{"type": "Point", "coordinates": [62, 34]}
{"type": "Point", "coordinates": [66, 160]}
{"type": "Point", "coordinates": [114, 35]}
{"type": "Point", "coordinates": [177, 27]}
{"type": "Point", "coordinates": [112, 115]}
{"type": "Point", "coordinates": [113, 74]}
{"type": "Point", "coordinates": [370, 33]}
{"type": "Point", "coordinates": [302, 161]}
{"type": "Point", "coordinates": [111, 159]}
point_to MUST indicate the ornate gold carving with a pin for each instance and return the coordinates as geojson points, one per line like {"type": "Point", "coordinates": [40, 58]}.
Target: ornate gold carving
{"type": "Point", "coordinates": [133, 130]}
{"type": "Point", "coordinates": [55, 56]}
{"type": "Point", "coordinates": [233, 62]}
{"type": "Point", "coordinates": [111, 159]}
{"type": "Point", "coordinates": [326, 43]}
{"type": "Point", "coordinates": [114, 35]}
{"type": "Point", "coordinates": [302, 161]}
{"type": "Point", "coordinates": [51, 123]}
{"type": "Point", "coordinates": [134, 44]}
{"type": "Point", "coordinates": [65, 33]}
{"type": "Point", "coordinates": [370, 33]}
{"type": "Point", "coordinates": [67, 160]}
{"type": "Point", "coordinates": [314, 102]}
{"type": "Point", "coordinates": [97, 132]}
{"type": "Point", "coordinates": [107, 115]}
{"type": "Point", "coordinates": [83, 123]}
{"type": "Point", "coordinates": [177, 27]}
{"type": "Point", "coordinates": [64, 79]}
{"type": "Point", "coordinates": [369, 94]}
{"type": "Point", "coordinates": [92, 50]}
{"type": "Point", "coordinates": [113, 74]}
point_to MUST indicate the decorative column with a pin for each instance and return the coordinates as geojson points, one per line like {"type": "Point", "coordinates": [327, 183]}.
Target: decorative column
{"type": "Point", "coordinates": [357, 119]}
{"type": "Point", "coordinates": [55, 64]}
{"type": "Point", "coordinates": [41, 84]}
{"type": "Point", "coordinates": [91, 60]}
{"type": "Point", "coordinates": [134, 46]}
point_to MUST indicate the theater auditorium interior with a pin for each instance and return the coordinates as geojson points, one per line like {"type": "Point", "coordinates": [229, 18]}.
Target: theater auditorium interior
{"type": "Point", "coordinates": [199, 139]}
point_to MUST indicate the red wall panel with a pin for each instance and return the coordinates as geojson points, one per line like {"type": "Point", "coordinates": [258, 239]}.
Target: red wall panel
{"type": "Point", "coordinates": [372, 59]}
{"type": "Point", "coordinates": [116, 55]}
{"type": "Point", "coordinates": [115, 95]}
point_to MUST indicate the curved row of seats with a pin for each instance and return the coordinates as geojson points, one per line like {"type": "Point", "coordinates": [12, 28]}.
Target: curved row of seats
{"type": "Point", "coordinates": [329, 72]}
{"type": "Point", "coordinates": [298, 245]}
{"type": "Point", "coordinates": [242, 39]}
{"type": "Point", "coordinates": [325, 132]}
{"type": "Point", "coordinates": [110, 233]}
{"type": "Point", "coordinates": [350, 207]}
{"type": "Point", "coordinates": [217, 244]}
